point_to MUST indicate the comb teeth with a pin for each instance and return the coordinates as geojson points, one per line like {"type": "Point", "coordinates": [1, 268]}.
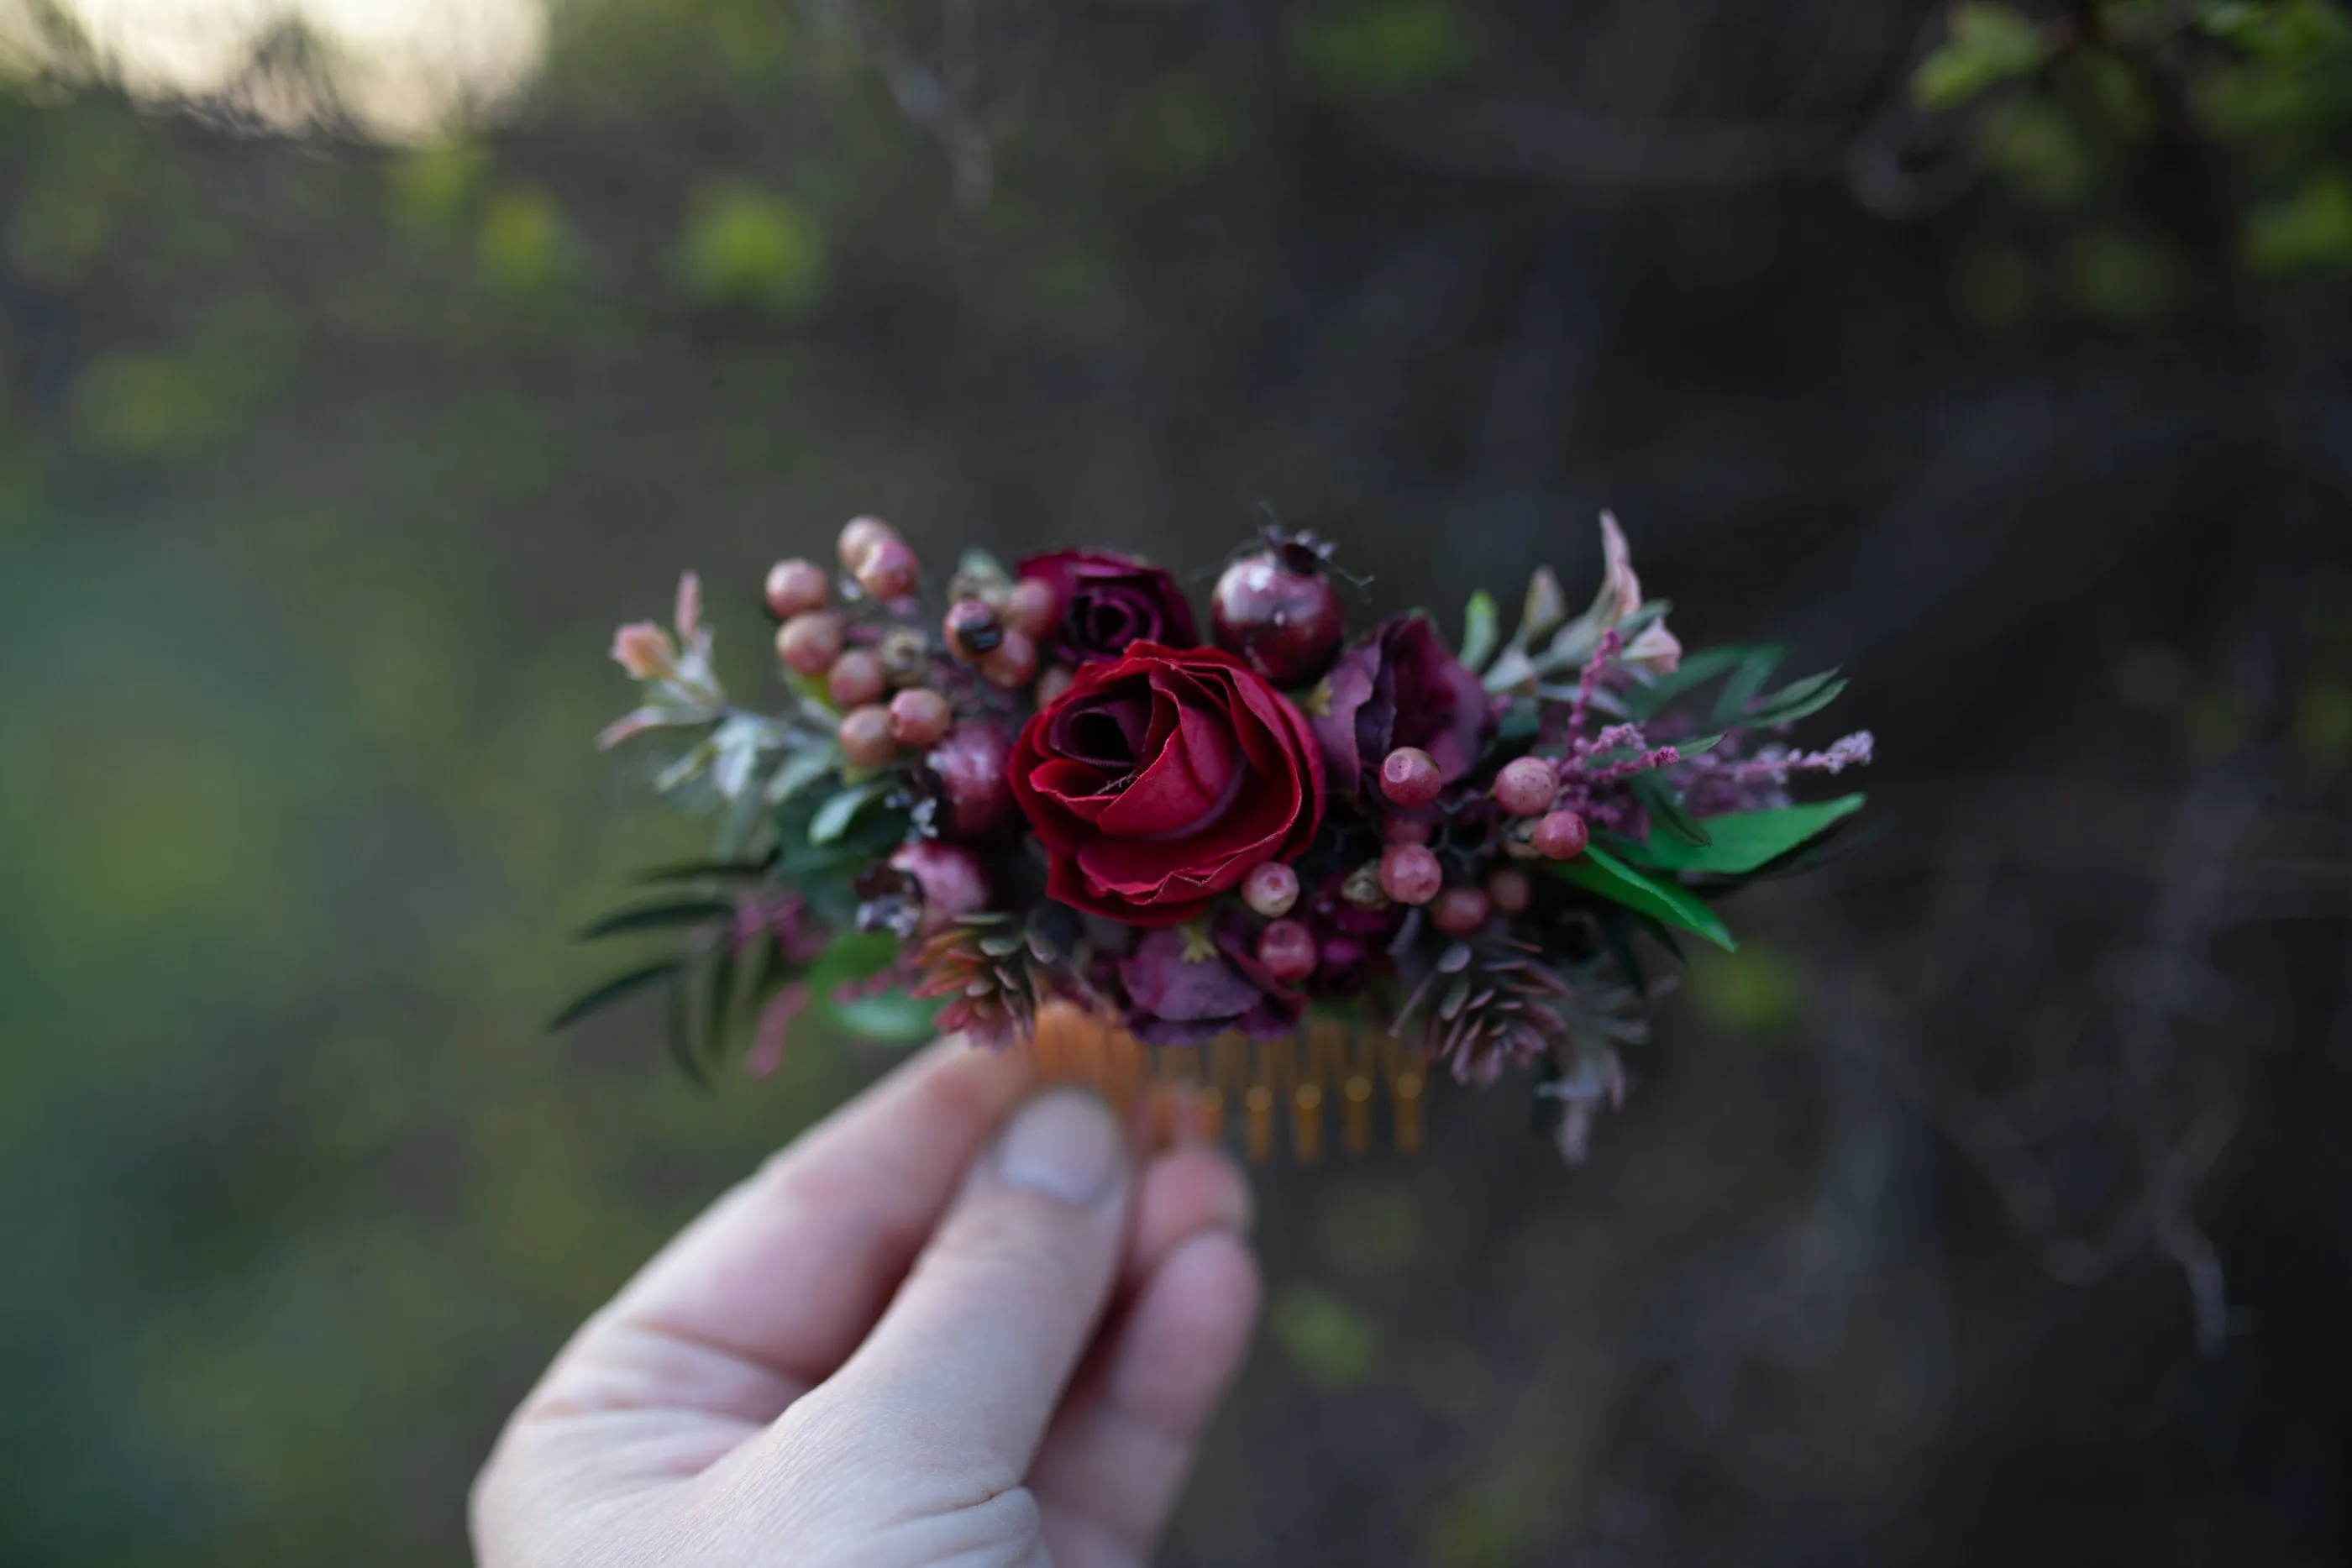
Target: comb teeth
{"type": "Point", "coordinates": [1265, 1091]}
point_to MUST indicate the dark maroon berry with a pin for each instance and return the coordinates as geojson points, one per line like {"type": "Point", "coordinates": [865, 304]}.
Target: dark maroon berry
{"type": "Point", "coordinates": [973, 628]}
{"type": "Point", "coordinates": [1277, 608]}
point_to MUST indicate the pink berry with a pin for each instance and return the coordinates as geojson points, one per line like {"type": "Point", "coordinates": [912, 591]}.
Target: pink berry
{"type": "Point", "coordinates": [856, 678]}
{"type": "Point", "coordinates": [1287, 950]}
{"type": "Point", "coordinates": [1410, 874]}
{"type": "Point", "coordinates": [1270, 889]}
{"type": "Point", "coordinates": [920, 717]}
{"type": "Point", "coordinates": [1459, 911]}
{"type": "Point", "coordinates": [1033, 606]}
{"type": "Point", "coordinates": [860, 535]}
{"type": "Point", "coordinates": [1561, 836]}
{"type": "Point", "coordinates": [810, 641]}
{"type": "Point", "coordinates": [953, 881]}
{"type": "Point", "coordinates": [796, 587]}
{"type": "Point", "coordinates": [1013, 662]}
{"type": "Point", "coordinates": [1526, 787]}
{"type": "Point", "coordinates": [1410, 777]}
{"type": "Point", "coordinates": [866, 736]}
{"type": "Point", "coordinates": [1510, 890]}
{"type": "Point", "coordinates": [889, 569]}
{"type": "Point", "coordinates": [970, 765]}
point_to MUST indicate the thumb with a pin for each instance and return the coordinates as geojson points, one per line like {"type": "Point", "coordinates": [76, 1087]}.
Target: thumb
{"type": "Point", "coordinates": [966, 1368]}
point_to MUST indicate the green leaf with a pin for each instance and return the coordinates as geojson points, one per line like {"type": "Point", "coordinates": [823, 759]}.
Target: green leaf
{"type": "Point", "coordinates": [1666, 808]}
{"type": "Point", "coordinates": [891, 1015]}
{"type": "Point", "coordinates": [699, 871]}
{"type": "Point", "coordinates": [617, 988]}
{"type": "Point", "coordinates": [1745, 841]}
{"type": "Point", "coordinates": [798, 771]}
{"type": "Point", "coordinates": [657, 917]}
{"type": "Point", "coordinates": [1755, 667]}
{"type": "Point", "coordinates": [1799, 699]}
{"type": "Point", "coordinates": [1600, 873]}
{"type": "Point", "coordinates": [1696, 670]}
{"type": "Point", "coordinates": [833, 818]}
{"type": "Point", "coordinates": [679, 1033]}
{"type": "Point", "coordinates": [1482, 628]}
{"type": "Point", "coordinates": [1988, 45]}
{"type": "Point", "coordinates": [893, 1018]}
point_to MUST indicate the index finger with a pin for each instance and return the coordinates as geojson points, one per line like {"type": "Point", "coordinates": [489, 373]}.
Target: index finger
{"type": "Point", "coordinates": [791, 1269]}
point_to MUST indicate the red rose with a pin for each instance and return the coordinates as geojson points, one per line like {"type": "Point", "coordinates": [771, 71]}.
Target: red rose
{"type": "Point", "coordinates": [1157, 782]}
{"type": "Point", "coordinates": [1109, 602]}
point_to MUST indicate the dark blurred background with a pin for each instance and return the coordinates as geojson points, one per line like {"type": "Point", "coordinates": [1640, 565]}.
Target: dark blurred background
{"type": "Point", "coordinates": [363, 361]}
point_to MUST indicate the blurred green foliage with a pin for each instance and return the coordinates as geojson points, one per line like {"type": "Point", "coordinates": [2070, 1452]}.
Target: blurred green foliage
{"type": "Point", "coordinates": [2135, 136]}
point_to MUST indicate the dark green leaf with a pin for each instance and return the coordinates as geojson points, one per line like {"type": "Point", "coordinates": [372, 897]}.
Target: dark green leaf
{"type": "Point", "coordinates": [1482, 628]}
{"type": "Point", "coordinates": [699, 871]}
{"type": "Point", "coordinates": [1755, 667]}
{"type": "Point", "coordinates": [1803, 700]}
{"type": "Point", "coordinates": [719, 1001]}
{"type": "Point", "coordinates": [618, 988]}
{"type": "Point", "coordinates": [798, 771]}
{"type": "Point", "coordinates": [833, 818]}
{"type": "Point", "coordinates": [1664, 805]}
{"type": "Point", "coordinates": [679, 1032]}
{"type": "Point", "coordinates": [1696, 670]}
{"type": "Point", "coordinates": [1745, 841]}
{"type": "Point", "coordinates": [657, 917]}
{"type": "Point", "coordinates": [1601, 874]}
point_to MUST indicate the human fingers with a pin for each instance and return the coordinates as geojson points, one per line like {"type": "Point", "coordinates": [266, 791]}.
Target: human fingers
{"type": "Point", "coordinates": [1115, 1460]}
{"type": "Point", "coordinates": [772, 1288]}
{"type": "Point", "coordinates": [959, 1378]}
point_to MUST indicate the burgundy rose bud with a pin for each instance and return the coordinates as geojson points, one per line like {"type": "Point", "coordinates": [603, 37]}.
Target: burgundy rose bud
{"type": "Point", "coordinates": [920, 717]}
{"type": "Point", "coordinates": [796, 587]}
{"type": "Point", "coordinates": [1561, 836]}
{"type": "Point", "coordinates": [1107, 603]}
{"type": "Point", "coordinates": [866, 736]}
{"type": "Point", "coordinates": [1277, 608]}
{"type": "Point", "coordinates": [1410, 778]}
{"type": "Point", "coordinates": [860, 535]}
{"type": "Point", "coordinates": [889, 569]}
{"type": "Point", "coordinates": [1012, 663]}
{"type": "Point", "coordinates": [1399, 686]}
{"type": "Point", "coordinates": [953, 881]}
{"type": "Point", "coordinates": [1287, 950]}
{"type": "Point", "coordinates": [1410, 874]}
{"type": "Point", "coordinates": [970, 766]}
{"type": "Point", "coordinates": [1159, 780]}
{"type": "Point", "coordinates": [1459, 911]}
{"type": "Point", "coordinates": [1270, 889]}
{"type": "Point", "coordinates": [809, 642]}
{"type": "Point", "coordinates": [972, 628]}
{"type": "Point", "coordinates": [1526, 787]}
{"type": "Point", "coordinates": [1031, 605]}
{"type": "Point", "coordinates": [1510, 890]}
{"type": "Point", "coordinates": [1052, 682]}
{"type": "Point", "coordinates": [856, 678]}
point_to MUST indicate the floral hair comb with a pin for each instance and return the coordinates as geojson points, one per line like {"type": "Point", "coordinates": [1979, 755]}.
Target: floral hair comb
{"type": "Point", "coordinates": [1279, 870]}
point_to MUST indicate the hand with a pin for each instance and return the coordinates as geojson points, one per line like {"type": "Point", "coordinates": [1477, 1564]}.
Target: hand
{"type": "Point", "coordinates": [914, 1337]}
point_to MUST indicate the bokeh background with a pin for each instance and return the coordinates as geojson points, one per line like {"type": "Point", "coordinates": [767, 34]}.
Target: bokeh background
{"type": "Point", "coordinates": [363, 361]}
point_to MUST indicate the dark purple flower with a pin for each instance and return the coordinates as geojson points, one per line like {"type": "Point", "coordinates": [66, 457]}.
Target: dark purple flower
{"type": "Point", "coordinates": [1182, 991]}
{"type": "Point", "coordinates": [1399, 686]}
{"type": "Point", "coordinates": [1109, 601]}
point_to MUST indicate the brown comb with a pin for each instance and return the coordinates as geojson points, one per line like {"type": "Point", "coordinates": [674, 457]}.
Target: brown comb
{"type": "Point", "coordinates": [1187, 1093]}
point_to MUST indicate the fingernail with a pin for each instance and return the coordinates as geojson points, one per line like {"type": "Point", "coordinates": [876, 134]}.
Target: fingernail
{"type": "Point", "coordinates": [1063, 1144]}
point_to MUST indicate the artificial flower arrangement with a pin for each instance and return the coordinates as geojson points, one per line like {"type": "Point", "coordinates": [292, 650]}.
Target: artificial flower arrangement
{"type": "Point", "coordinates": [1046, 790]}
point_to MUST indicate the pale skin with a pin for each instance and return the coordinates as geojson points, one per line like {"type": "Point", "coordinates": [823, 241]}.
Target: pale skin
{"type": "Point", "coordinates": [955, 1323]}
